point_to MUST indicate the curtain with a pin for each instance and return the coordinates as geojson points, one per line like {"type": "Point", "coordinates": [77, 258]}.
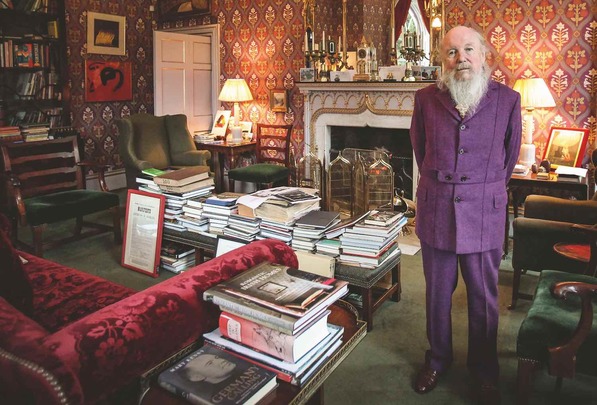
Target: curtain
{"type": "Point", "coordinates": [401, 13]}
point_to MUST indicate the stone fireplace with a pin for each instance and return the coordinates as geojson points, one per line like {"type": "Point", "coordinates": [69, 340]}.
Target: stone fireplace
{"type": "Point", "coordinates": [358, 105]}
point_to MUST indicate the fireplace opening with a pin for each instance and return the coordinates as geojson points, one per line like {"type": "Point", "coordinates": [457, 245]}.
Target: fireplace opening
{"type": "Point", "coordinates": [394, 141]}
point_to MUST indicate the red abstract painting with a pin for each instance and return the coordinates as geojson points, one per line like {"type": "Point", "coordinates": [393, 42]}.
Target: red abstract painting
{"type": "Point", "coordinates": [108, 81]}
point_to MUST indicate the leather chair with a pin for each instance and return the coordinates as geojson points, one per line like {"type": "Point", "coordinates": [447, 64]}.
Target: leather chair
{"type": "Point", "coordinates": [547, 221]}
{"type": "Point", "coordinates": [45, 184]}
{"type": "Point", "coordinates": [147, 141]}
{"type": "Point", "coordinates": [558, 329]}
{"type": "Point", "coordinates": [272, 155]}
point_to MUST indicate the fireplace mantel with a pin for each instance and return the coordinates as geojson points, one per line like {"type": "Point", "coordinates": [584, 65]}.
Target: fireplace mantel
{"type": "Point", "coordinates": [355, 104]}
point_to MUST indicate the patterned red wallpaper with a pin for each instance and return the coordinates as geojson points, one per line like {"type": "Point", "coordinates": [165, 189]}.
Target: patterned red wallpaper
{"type": "Point", "coordinates": [262, 42]}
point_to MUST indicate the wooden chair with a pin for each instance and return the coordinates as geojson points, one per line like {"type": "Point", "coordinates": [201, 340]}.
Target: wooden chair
{"type": "Point", "coordinates": [558, 329]}
{"type": "Point", "coordinates": [45, 184]}
{"type": "Point", "coordinates": [273, 157]}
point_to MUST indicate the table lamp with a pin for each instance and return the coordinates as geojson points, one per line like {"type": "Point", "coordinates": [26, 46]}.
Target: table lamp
{"type": "Point", "coordinates": [533, 94]}
{"type": "Point", "coordinates": [235, 90]}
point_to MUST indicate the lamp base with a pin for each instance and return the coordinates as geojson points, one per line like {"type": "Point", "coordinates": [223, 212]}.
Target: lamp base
{"type": "Point", "coordinates": [237, 134]}
{"type": "Point", "coordinates": [527, 154]}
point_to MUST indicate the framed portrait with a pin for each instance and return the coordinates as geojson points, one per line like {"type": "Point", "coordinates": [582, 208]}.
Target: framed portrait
{"type": "Point", "coordinates": [143, 232]}
{"type": "Point", "coordinates": [106, 34]}
{"type": "Point", "coordinates": [173, 9]}
{"type": "Point", "coordinates": [108, 81]}
{"type": "Point", "coordinates": [220, 124]}
{"type": "Point", "coordinates": [307, 75]}
{"type": "Point", "coordinates": [278, 100]}
{"type": "Point", "coordinates": [566, 146]}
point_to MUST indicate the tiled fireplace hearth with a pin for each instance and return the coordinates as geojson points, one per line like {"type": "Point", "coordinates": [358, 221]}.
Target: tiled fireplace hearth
{"type": "Point", "coordinates": [350, 104]}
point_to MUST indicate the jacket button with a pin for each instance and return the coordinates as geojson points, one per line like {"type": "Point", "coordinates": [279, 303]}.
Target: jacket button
{"type": "Point", "coordinates": [457, 199]}
{"type": "Point", "coordinates": [462, 127]}
{"type": "Point", "coordinates": [463, 178]}
{"type": "Point", "coordinates": [448, 177]}
{"type": "Point", "coordinates": [461, 151]}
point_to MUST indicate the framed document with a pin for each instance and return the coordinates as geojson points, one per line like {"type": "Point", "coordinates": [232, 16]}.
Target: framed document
{"type": "Point", "coordinates": [143, 232]}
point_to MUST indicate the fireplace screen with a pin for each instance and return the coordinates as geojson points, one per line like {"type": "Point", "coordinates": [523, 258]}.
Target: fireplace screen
{"type": "Point", "coordinates": [360, 180]}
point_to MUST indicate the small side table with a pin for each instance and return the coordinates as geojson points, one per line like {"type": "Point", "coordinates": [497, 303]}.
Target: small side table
{"type": "Point", "coordinates": [364, 281]}
{"type": "Point", "coordinates": [222, 152]}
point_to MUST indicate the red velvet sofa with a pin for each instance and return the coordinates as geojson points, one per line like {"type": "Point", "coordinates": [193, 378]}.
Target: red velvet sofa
{"type": "Point", "coordinates": [70, 337]}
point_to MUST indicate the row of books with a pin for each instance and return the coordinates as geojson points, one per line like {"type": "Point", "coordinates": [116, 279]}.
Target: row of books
{"type": "Point", "coordinates": [15, 53]}
{"type": "Point", "coordinates": [38, 6]}
{"type": "Point", "coordinates": [33, 85]}
{"type": "Point", "coordinates": [50, 116]}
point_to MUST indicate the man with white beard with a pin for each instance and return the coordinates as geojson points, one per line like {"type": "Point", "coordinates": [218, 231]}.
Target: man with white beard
{"type": "Point", "coordinates": [465, 134]}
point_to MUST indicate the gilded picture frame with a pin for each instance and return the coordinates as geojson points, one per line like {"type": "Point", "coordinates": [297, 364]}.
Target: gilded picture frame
{"type": "Point", "coordinates": [278, 100]}
{"type": "Point", "coordinates": [566, 146]}
{"type": "Point", "coordinates": [169, 10]}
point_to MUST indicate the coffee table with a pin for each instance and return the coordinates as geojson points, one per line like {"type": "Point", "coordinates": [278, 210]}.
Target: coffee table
{"type": "Point", "coordinates": [343, 314]}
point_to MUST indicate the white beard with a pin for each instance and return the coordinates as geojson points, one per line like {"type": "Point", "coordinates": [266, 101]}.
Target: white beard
{"type": "Point", "coordinates": [466, 93]}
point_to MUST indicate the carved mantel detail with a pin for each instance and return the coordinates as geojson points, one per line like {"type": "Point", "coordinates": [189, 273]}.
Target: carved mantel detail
{"type": "Point", "coordinates": [354, 104]}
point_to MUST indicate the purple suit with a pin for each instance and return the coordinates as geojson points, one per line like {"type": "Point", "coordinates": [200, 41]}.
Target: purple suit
{"type": "Point", "coordinates": [465, 164]}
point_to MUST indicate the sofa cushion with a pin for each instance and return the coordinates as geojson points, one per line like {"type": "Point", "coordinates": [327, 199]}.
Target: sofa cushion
{"type": "Point", "coordinates": [260, 173]}
{"type": "Point", "coordinates": [151, 140]}
{"type": "Point", "coordinates": [28, 369]}
{"type": "Point", "coordinates": [15, 286]}
{"type": "Point", "coordinates": [64, 295]}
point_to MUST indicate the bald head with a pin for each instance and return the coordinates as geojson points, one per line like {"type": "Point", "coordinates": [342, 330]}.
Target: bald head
{"type": "Point", "coordinates": [463, 51]}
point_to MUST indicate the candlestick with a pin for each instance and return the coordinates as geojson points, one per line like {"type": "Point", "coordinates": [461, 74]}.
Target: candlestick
{"type": "Point", "coordinates": [306, 42]}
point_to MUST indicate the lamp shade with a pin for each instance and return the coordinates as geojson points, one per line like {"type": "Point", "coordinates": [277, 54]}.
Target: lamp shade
{"type": "Point", "coordinates": [235, 90]}
{"type": "Point", "coordinates": [534, 93]}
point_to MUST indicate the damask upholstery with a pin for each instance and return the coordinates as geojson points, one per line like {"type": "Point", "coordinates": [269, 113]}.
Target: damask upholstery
{"type": "Point", "coordinates": [87, 338]}
{"type": "Point", "coordinates": [146, 141]}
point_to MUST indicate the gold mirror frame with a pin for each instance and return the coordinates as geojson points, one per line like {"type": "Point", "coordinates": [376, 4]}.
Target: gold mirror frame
{"type": "Point", "coordinates": [433, 8]}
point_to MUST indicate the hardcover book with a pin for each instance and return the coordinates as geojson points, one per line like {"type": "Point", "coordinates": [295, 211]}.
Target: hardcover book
{"type": "Point", "coordinates": [318, 219]}
{"type": "Point", "coordinates": [187, 187]}
{"type": "Point", "coordinates": [281, 288]}
{"type": "Point", "coordinates": [283, 346]}
{"type": "Point", "coordinates": [213, 376]}
{"type": "Point", "coordinates": [182, 176]}
{"type": "Point", "coordinates": [382, 217]}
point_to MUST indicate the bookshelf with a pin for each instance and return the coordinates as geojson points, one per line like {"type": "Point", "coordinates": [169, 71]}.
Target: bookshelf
{"type": "Point", "coordinates": [33, 63]}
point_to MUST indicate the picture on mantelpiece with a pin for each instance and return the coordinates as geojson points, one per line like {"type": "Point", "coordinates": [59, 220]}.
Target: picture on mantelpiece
{"type": "Point", "coordinates": [172, 9]}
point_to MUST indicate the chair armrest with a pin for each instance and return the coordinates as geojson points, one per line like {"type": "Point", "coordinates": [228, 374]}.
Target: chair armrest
{"type": "Point", "coordinates": [533, 245]}
{"type": "Point", "coordinates": [191, 158]}
{"type": "Point", "coordinates": [116, 344]}
{"type": "Point", "coordinates": [560, 209]}
{"type": "Point", "coordinates": [563, 357]}
{"type": "Point", "coordinates": [13, 189]}
{"type": "Point", "coordinates": [100, 169]}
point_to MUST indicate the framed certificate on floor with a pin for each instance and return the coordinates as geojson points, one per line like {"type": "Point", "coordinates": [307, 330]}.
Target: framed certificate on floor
{"type": "Point", "coordinates": [143, 227]}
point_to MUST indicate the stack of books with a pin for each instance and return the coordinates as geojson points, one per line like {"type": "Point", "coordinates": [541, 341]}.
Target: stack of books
{"type": "Point", "coordinates": [185, 181]}
{"type": "Point", "coordinates": [213, 376]}
{"type": "Point", "coordinates": [311, 227]}
{"type": "Point", "coordinates": [32, 132]}
{"type": "Point", "coordinates": [372, 240]}
{"type": "Point", "coordinates": [218, 210]}
{"type": "Point", "coordinates": [276, 317]}
{"type": "Point", "coordinates": [192, 216]}
{"type": "Point", "coordinates": [10, 134]}
{"type": "Point", "coordinates": [280, 204]}
{"type": "Point", "coordinates": [242, 227]}
{"type": "Point", "coordinates": [176, 257]}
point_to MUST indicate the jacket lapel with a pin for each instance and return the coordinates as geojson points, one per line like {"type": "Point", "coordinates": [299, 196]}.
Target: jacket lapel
{"type": "Point", "coordinates": [446, 100]}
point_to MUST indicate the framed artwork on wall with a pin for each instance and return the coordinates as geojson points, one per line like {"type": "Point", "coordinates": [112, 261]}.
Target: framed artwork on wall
{"type": "Point", "coordinates": [106, 34]}
{"type": "Point", "coordinates": [172, 9]}
{"type": "Point", "coordinates": [278, 100]}
{"type": "Point", "coordinates": [108, 81]}
{"type": "Point", "coordinates": [566, 146]}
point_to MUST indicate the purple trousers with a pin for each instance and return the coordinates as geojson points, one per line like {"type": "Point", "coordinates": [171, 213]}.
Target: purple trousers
{"type": "Point", "coordinates": [480, 274]}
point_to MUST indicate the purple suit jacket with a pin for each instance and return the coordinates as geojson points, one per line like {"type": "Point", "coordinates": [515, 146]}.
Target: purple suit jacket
{"type": "Point", "coordinates": [465, 165]}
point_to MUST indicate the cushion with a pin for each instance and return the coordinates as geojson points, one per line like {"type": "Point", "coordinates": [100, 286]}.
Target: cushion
{"type": "Point", "coordinates": [259, 173]}
{"type": "Point", "coordinates": [67, 204]}
{"type": "Point", "coordinates": [150, 139]}
{"type": "Point", "coordinates": [551, 321]}
{"type": "Point", "coordinates": [15, 287]}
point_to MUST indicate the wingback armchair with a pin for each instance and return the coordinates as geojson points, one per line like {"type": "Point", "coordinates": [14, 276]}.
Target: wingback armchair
{"type": "Point", "coordinates": [147, 141]}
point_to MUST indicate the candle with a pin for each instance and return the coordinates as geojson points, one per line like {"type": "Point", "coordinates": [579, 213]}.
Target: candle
{"type": "Point", "coordinates": [312, 40]}
{"type": "Point", "coordinates": [339, 43]}
{"type": "Point", "coordinates": [316, 47]}
{"type": "Point", "coordinates": [393, 35]}
{"type": "Point", "coordinates": [306, 42]}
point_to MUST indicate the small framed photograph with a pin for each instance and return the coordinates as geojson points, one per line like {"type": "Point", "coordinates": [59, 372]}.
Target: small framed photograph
{"type": "Point", "coordinates": [106, 34]}
{"type": "Point", "coordinates": [143, 232]}
{"type": "Point", "coordinates": [226, 244]}
{"type": "Point", "coordinates": [220, 124]}
{"type": "Point", "coordinates": [246, 127]}
{"type": "Point", "coordinates": [566, 146]}
{"type": "Point", "coordinates": [307, 74]}
{"type": "Point", "coordinates": [278, 100]}
{"type": "Point", "coordinates": [108, 81]}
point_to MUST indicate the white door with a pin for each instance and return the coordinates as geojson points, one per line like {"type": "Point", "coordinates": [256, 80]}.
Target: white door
{"type": "Point", "coordinates": [186, 71]}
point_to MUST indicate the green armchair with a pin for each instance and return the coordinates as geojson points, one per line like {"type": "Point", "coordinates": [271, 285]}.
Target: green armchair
{"type": "Point", "coordinates": [147, 141]}
{"type": "Point", "coordinates": [559, 329]}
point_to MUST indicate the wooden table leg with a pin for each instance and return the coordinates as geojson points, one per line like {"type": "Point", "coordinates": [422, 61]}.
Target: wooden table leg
{"type": "Point", "coordinates": [396, 280]}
